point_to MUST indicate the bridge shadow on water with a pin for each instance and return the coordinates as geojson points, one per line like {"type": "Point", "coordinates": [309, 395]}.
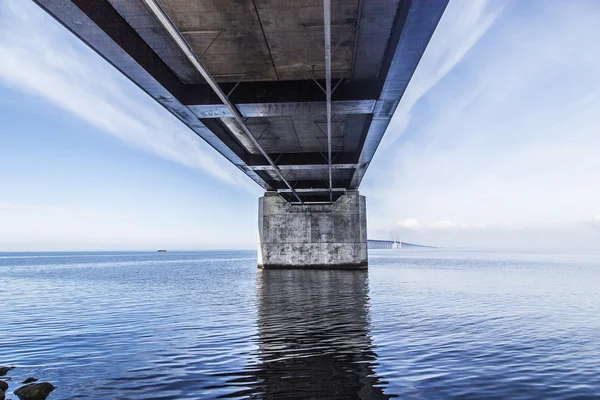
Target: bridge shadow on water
{"type": "Point", "coordinates": [313, 337]}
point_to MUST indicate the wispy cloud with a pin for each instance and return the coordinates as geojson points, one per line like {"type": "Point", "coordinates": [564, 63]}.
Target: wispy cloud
{"type": "Point", "coordinates": [70, 212]}
{"type": "Point", "coordinates": [42, 58]}
{"type": "Point", "coordinates": [461, 27]}
{"type": "Point", "coordinates": [507, 137]}
{"type": "Point", "coordinates": [40, 227]}
{"type": "Point", "coordinates": [33, 223]}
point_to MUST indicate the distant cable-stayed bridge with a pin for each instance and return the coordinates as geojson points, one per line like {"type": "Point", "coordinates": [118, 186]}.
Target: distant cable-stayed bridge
{"type": "Point", "coordinates": [393, 244]}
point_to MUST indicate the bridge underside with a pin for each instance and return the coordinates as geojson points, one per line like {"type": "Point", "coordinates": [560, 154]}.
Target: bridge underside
{"type": "Point", "coordinates": [296, 94]}
{"type": "Point", "coordinates": [268, 56]}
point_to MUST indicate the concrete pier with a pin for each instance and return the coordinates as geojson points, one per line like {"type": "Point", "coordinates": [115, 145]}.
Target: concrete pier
{"type": "Point", "coordinates": [319, 236]}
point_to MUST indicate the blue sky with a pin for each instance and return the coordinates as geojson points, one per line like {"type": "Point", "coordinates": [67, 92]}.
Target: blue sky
{"type": "Point", "coordinates": [494, 144]}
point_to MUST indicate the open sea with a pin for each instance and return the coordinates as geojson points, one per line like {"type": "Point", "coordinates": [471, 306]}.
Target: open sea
{"type": "Point", "coordinates": [419, 324]}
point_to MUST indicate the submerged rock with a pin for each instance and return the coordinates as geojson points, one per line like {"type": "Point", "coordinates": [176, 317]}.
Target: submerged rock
{"type": "Point", "coordinates": [4, 370]}
{"type": "Point", "coordinates": [30, 379]}
{"type": "Point", "coordinates": [2, 395]}
{"type": "Point", "coordinates": [35, 391]}
{"type": "Point", "coordinates": [3, 386]}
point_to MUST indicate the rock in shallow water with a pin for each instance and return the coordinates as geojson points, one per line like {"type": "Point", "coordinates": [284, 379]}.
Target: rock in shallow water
{"type": "Point", "coordinates": [4, 370]}
{"type": "Point", "coordinates": [36, 391]}
{"type": "Point", "coordinates": [30, 380]}
{"type": "Point", "coordinates": [3, 386]}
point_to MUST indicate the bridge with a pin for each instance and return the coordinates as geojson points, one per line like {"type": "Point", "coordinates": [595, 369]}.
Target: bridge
{"type": "Point", "coordinates": [394, 244]}
{"type": "Point", "coordinates": [298, 95]}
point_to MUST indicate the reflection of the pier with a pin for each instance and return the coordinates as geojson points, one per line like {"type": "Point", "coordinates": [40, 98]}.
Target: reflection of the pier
{"type": "Point", "coordinates": [314, 336]}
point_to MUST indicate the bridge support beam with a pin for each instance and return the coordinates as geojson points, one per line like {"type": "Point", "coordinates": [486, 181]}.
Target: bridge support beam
{"type": "Point", "coordinates": [318, 236]}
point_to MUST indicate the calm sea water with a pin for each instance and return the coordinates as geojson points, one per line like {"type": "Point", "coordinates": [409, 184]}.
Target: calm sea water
{"type": "Point", "coordinates": [420, 324]}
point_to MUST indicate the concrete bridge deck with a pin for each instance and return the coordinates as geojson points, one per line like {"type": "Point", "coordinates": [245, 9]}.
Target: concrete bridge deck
{"type": "Point", "coordinates": [270, 57]}
{"type": "Point", "coordinates": [297, 94]}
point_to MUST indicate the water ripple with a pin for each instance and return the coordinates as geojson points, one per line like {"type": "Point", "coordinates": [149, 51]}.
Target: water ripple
{"type": "Point", "coordinates": [418, 325]}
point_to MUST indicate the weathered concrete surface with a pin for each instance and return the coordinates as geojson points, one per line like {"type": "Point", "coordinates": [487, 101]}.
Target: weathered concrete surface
{"type": "Point", "coordinates": [313, 235]}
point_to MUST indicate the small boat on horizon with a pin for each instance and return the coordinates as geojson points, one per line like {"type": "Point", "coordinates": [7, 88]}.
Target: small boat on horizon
{"type": "Point", "coordinates": [161, 250]}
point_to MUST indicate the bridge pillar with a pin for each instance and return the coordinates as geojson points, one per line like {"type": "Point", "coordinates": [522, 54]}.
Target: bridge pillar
{"type": "Point", "coordinates": [319, 236]}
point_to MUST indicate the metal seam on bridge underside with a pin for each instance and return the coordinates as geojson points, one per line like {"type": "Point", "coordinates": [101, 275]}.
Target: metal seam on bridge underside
{"type": "Point", "coordinates": [327, 34]}
{"type": "Point", "coordinates": [300, 108]}
{"type": "Point", "coordinates": [313, 190]}
{"type": "Point", "coordinates": [306, 167]}
{"type": "Point", "coordinates": [160, 14]}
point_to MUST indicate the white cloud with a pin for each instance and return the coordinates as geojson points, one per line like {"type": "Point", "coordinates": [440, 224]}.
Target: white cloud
{"type": "Point", "coordinates": [413, 224]}
{"type": "Point", "coordinates": [596, 220]}
{"type": "Point", "coordinates": [40, 57]}
{"type": "Point", "coordinates": [410, 223]}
